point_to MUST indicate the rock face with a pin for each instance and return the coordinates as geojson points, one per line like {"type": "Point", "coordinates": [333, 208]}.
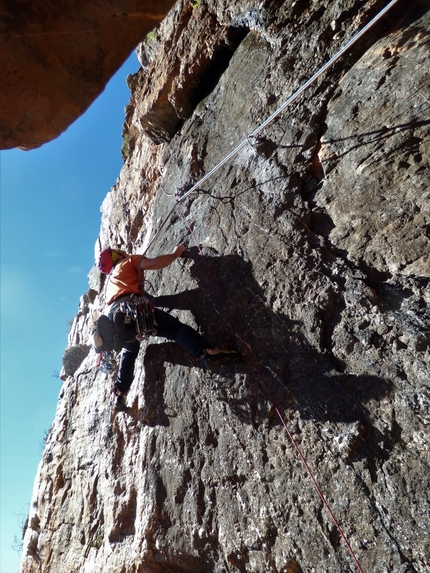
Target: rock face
{"type": "Point", "coordinates": [57, 56]}
{"type": "Point", "coordinates": [312, 260]}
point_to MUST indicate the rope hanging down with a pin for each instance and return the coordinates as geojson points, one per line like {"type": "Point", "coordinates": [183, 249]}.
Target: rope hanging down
{"type": "Point", "coordinates": [292, 98]}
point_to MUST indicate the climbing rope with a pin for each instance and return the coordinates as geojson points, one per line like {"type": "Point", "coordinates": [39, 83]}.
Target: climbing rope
{"type": "Point", "coordinates": [275, 114]}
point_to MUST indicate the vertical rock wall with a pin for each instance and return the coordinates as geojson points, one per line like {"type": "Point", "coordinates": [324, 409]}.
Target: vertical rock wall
{"type": "Point", "coordinates": [314, 263]}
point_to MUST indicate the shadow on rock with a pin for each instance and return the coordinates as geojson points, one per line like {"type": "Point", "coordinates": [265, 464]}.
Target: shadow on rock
{"type": "Point", "coordinates": [233, 309]}
{"type": "Point", "coordinates": [363, 139]}
{"type": "Point", "coordinates": [179, 563]}
{"type": "Point", "coordinates": [278, 363]}
{"type": "Point", "coordinates": [156, 356]}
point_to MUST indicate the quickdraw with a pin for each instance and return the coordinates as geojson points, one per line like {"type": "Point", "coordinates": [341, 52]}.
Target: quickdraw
{"type": "Point", "coordinates": [107, 361]}
{"type": "Point", "coordinates": [140, 310]}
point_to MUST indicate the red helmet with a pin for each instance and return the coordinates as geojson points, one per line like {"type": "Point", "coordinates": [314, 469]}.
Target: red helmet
{"type": "Point", "coordinates": [106, 261]}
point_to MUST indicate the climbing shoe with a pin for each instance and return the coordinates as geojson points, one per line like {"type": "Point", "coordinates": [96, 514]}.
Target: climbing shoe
{"type": "Point", "coordinates": [227, 357]}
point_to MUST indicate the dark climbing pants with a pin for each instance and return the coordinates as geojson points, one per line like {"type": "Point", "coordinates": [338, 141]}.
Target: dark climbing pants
{"type": "Point", "coordinates": [168, 327]}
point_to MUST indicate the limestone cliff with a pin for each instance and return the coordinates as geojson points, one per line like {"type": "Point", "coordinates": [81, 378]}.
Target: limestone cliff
{"type": "Point", "coordinates": [314, 263]}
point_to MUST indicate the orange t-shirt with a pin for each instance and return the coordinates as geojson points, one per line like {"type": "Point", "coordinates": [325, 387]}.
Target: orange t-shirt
{"type": "Point", "coordinates": [124, 279]}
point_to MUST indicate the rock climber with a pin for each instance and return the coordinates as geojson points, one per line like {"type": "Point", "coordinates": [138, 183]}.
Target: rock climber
{"type": "Point", "coordinates": [126, 276]}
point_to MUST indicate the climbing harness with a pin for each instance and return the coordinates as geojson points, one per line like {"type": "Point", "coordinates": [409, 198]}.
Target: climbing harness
{"type": "Point", "coordinates": [140, 310]}
{"type": "Point", "coordinates": [132, 320]}
{"type": "Point", "coordinates": [275, 114]}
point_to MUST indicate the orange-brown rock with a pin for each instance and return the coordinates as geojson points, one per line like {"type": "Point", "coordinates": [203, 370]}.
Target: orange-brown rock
{"type": "Point", "coordinates": [56, 58]}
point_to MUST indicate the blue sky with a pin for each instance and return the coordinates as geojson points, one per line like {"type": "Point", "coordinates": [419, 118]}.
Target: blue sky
{"type": "Point", "coordinates": [50, 219]}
